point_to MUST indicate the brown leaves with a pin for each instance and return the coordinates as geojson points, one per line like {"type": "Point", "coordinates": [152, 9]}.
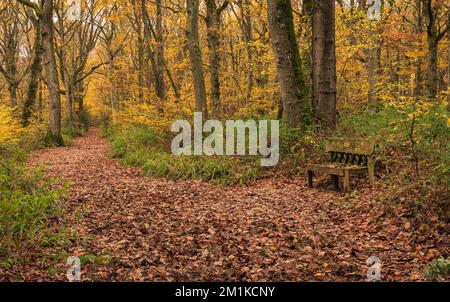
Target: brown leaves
{"type": "Point", "coordinates": [274, 230]}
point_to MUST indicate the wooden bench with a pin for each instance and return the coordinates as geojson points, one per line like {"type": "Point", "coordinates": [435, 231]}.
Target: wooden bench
{"type": "Point", "coordinates": [347, 157]}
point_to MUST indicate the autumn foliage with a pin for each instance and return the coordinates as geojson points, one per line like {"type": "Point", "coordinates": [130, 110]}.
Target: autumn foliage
{"type": "Point", "coordinates": [105, 79]}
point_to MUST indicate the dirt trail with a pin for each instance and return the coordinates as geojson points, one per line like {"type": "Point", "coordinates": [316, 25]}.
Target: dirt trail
{"type": "Point", "coordinates": [160, 230]}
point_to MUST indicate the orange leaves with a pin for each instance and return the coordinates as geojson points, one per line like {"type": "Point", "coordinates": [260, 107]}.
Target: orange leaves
{"type": "Point", "coordinates": [273, 230]}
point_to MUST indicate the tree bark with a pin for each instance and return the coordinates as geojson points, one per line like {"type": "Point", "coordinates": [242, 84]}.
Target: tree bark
{"type": "Point", "coordinates": [248, 36]}
{"type": "Point", "coordinates": [434, 35]}
{"type": "Point", "coordinates": [141, 77]}
{"type": "Point", "coordinates": [35, 73]}
{"type": "Point", "coordinates": [195, 55]}
{"type": "Point", "coordinates": [156, 57]}
{"type": "Point", "coordinates": [10, 50]}
{"type": "Point", "coordinates": [431, 30]}
{"type": "Point", "coordinates": [448, 65]}
{"type": "Point", "coordinates": [246, 25]}
{"type": "Point", "coordinates": [418, 90]}
{"type": "Point", "coordinates": [373, 67]}
{"type": "Point", "coordinates": [212, 24]}
{"type": "Point", "coordinates": [326, 107]}
{"type": "Point", "coordinates": [432, 84]}
{"type": "Point", "coordinates": [64, 71]}
{"type": "Point", "coordinates": [317, 50]}
{"type": "Point", "coordinates": [160, 60]}
{"type": "Point", "coordinates": [79, 99]}
{"type": "Point", "coordinates": [54, 136]}
{"type": "Point", "coordinates": [297, 109]}
{"type": "Point", "coordinates": [173, 84]}
{"type": "Point", "coordinates": [12, 88]}
{"type": "Point", "coordinates": [40, 105]}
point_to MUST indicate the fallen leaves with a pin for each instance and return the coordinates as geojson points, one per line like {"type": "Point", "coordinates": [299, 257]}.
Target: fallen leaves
{"type": "Point", "coordinates": [273, 230]}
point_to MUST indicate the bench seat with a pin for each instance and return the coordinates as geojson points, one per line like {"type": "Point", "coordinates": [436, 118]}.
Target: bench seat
{"type": "Point", "coordinates": [334, 169]}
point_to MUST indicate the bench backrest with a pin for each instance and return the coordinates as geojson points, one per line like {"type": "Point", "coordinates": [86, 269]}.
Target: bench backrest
{"type": "Point", "coordinates": [350, 151]}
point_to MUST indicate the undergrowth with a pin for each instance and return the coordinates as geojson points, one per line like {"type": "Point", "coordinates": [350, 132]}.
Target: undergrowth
{"type": "Point", "coordinates": [413, 151]}
{"type": "Point", "coordinates": [437, 270]}
{"type": "Point", "coordinates": [412, 147]}
{"type": "Point", "coordinates": [29, 202]}
{"type": "Point", "coordinates": [142, 147]}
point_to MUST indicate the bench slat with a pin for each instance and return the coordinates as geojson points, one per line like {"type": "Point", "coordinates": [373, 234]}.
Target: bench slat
{"type": "Point", "coordinates": [334, 169]}
{"type": "Point", "coordinates": [351, 146]}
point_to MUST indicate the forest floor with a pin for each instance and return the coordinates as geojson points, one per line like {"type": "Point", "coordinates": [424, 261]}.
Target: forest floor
{"type": "Point", "coordinates": [133, 228]}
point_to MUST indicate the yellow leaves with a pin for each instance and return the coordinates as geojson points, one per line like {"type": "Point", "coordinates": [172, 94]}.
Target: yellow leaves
{"type": "Point", "coordinates": [256, 108]}
{"type": "Point", "coordinates": [148, 114]}
{"type": "Point", "coordinates": [412, 115]}
{"type": "Point", "coordinates": [297, 148]}
{"type": "Point", "coordinates": [10, 129]}
{"type": "Point", "coordinates": [415, 53]}
{"type": "Point", "coordinates": [411, 54]}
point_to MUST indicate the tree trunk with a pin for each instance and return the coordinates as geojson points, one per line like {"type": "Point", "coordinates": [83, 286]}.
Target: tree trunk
{"type": "Point", "coordinates": [79, 99]}
{"type": "Point", "coordinates": [326, 107]}
{"type": "Point", "coordinates": [317, 50]}
{"type": "Point", "coordinates": [418, 90]}
{"type": "Point", "coordinates": [40, 104]}
{"type": "Point", "coordinates": [140, 45]}
{"type": "Point", "coordinates": [248, 36]}
{"type": "Point", "coordinates": [160, 60]}
{"type": "Point", "coordinates": [448, 66]}
{"type": "Point", "coordinates": [11, 77]}
{"type": "Point", "coordinates": [35, 73]}
{"type": "Point", "coordinates": [156, 58]}
{"type": "Point", "coordinates": [195, 55]}
{"type": "Point", "coordinates": [54, 136]}
{"type": "Point", "coordinates": [12, 88]}
{"type": "Point", "coordinates": [141, 77]}
{"type": "Point", "coordinates": [433, 77]}
{"type": "Point", "coordinates": [362, 4]}
{"type": "Point", "coordinates": [69, 105]}
{"type": "Point", "coordinates": [433, 41]}
{"type": "Point", "coordinates": [373, 67]}
{"type": "Point", "coordinates": [212, 24]}
{"type": "Point", "coordinates": [10, 55]}
{"type": "Point", "coordinates": [289, 66]}
{"type": "Point", "coordinates": [173, 84]}
{"type": "Point", "coordinates": [64, 74]}
{"type": "Point", "coordinates": [112, 87]}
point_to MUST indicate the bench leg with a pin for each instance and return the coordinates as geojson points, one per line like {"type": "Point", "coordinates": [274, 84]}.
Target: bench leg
{"type": "Point", "coordinates": [310, 179]}
{"type": "Point", "coordinates": [371, 166]}
{"type": "Point", "coordinates": [346, 181]}
{"type": "Point", "coordinates": [335, 182]}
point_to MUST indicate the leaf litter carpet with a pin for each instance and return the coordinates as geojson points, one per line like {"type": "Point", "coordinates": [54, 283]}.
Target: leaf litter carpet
{"type": "Point", "coordinates": [127, 227]}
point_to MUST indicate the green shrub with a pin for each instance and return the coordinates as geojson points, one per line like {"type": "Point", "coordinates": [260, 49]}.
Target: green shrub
{"type": "Point", "coordinates": [425, 133]}
{"type": "Point", "coordinates": [414, 152]}
{"type": "Point", "coordinates": [27, 203]}
{"type": "Point", "coordinates": [71, 131]}
{"type": "Point", "coordinates": [140, 146]}
{"type": "Point", "coordinates": [437, 270]}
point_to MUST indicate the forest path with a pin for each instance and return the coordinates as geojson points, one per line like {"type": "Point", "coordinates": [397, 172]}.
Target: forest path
{"type": "Point", "coordinates": [162, 230]}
